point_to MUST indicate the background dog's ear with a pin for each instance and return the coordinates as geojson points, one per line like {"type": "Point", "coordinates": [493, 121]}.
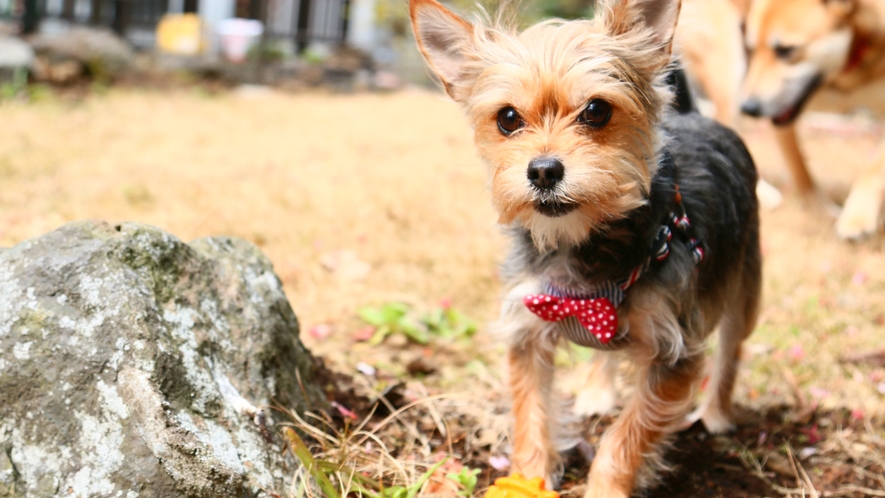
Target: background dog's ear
{"type": "Point", "coordinates": [446, 41]}
{"type": "Point", "coordinates": [658, 16]}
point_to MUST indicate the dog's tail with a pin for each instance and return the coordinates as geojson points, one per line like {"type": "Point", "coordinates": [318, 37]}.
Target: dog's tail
{"type": "Point", "coordinates": [683, 102]}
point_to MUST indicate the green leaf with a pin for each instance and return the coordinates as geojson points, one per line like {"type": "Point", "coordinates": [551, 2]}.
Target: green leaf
{"type": "Point", "coordinates": [380, 334]}
{"type": "Point", "coordinates": [466, 478]}
{"type": "Point", "coordinates": [372, 316]}
{"type": "Point", "coordinates": [461, 323]}
{"type": "Point", "coordinates": [393, 312]}
{"type": "Point", "coordinates": [414, 488]}
{"type": "Point", "coordinates": [434, 319]}
{"type": "Point", "coordinates": [413, 330]}
{"type": "Point", "coordinates": [303, 453]}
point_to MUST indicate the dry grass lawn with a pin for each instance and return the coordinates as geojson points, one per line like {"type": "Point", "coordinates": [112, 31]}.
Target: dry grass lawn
{"type": "Point", "coordinates": [363, 199]}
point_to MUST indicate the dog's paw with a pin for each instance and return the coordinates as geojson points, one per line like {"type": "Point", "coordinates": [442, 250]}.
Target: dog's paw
{"type": "Point", "coordinates": [861, 216]}
{"type": "Point", "coordinates": [595, 400]}
{"type": "Point", "coordinates": [717, 423]}
{"type": "Point", "coordinates": [550, 469]}
{"type": "Point", "coordinates": [714, 420]}
{"type": "Point", "coordinates": [597, 395]}
{"type": "Point", "coordinates": [769, 196]}
{"type": "Point", "coordinates": [601, 488]}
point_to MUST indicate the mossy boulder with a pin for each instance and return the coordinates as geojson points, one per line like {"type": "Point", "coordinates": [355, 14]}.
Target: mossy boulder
{"type": "Point", "coordinates": [133, 364]}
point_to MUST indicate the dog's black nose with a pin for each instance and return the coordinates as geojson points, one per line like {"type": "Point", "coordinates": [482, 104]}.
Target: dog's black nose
{"type": "Point", "coordinates": [752, 107]}
{"type": "Point", "coordinates": [545, 172]}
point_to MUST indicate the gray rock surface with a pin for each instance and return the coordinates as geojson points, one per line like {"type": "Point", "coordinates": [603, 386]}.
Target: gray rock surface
{"type": "Point", "coordinates": [133, 364]}
{"type": "Point", "coordinates": [15, 54]}
{"type": "Point", "coordinates": [65, 56]}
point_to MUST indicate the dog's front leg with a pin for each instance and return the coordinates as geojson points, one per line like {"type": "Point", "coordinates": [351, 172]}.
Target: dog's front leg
{"type": "Point", "coordinates": [530, 368]}
{"type": "Point", "coordinates": [531, 385]}
{"type": "Point", "coordinates": [662, 399]}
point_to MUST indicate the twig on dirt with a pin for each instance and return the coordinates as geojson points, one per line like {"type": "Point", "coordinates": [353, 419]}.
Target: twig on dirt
{"type": "Point", "coordinates": [798, 469]}
{"type": "Point", "coordinates": [394, 415]}
{"type": "Point", "coordinates": [851, 488]}
{"type": "Point", "coordinates": [854, 489]}
{"type": "Point", "coordinates": [755, 467]}
{"type": "Point", "coordinates": [874, 358]}
{"type": "Point", "coordinates": [860, 471]}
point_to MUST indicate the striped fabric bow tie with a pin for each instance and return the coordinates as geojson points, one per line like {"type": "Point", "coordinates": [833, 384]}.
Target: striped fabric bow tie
{"type": "Point", "coordinates": [597, 315]}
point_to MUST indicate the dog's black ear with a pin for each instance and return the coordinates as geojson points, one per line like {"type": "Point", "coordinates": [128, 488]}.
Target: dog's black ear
{"type": "Point", "coordinates": [656, 17]}
{"type": "Point", "coordinates": [446, 41]}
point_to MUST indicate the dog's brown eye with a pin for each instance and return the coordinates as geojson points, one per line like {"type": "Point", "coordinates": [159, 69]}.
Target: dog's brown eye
{"type": "Point", "coordinates": [597, 113]}
{"type": "Point", "coordinates": [509, 120]}
{"type": "Point", "coordinates": [784, 52]}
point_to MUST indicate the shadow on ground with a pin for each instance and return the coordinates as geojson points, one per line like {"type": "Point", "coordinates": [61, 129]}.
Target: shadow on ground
{"type": "Point", "coordinates": [779, 452]}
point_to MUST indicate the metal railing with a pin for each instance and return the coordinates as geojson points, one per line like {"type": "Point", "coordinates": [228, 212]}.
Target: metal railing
{"type": "Point", "coordinates": [306, 21]}
{"type": "Point", "coordinates": [302, 21]}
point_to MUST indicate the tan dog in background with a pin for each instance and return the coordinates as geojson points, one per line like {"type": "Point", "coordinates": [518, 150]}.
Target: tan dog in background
{"type": "Point", "coordinates": [795, 49]}
{"type": "Point", "coordinates": [709, 40]}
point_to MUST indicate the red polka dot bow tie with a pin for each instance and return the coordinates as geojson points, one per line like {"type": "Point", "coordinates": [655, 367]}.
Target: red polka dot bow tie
{"type": "Point", "coordinates": [597, 315]}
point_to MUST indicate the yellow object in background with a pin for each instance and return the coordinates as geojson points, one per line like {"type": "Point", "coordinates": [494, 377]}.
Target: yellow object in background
{"type": "Point", "coordinates": [180, 34]}
{"type": "Point", "coordinates": [517, 486]}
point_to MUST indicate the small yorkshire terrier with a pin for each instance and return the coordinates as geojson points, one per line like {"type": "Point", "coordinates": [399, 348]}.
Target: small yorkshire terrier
{"type": "Point", "coordinates": [634, 228]}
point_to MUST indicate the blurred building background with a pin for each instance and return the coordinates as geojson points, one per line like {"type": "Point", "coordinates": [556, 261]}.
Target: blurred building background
{"type": "Point", "coordinates": [354, 43]}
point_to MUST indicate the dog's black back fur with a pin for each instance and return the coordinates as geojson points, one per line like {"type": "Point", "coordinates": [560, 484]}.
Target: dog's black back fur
{"type": "Point", "coordinates": [683, 100]}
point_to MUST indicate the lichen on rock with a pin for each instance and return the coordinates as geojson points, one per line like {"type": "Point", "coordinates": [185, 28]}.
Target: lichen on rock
{"type": "Point", "coordinates": [133, 364]}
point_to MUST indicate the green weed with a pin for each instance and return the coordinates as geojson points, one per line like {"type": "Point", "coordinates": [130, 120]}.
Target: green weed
{"type": "Point", "coordinates": [398, 318]}
{"type": "Point", "coordinates": [466, 478]}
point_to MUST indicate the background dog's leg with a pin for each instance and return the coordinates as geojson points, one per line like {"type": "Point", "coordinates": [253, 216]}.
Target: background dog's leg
{"type": "Point", "coordinates": [738, 322]}
{"type": "Point", "coordinates": [662, 400]}
{"type": "Point", "coordinates": [789, 146]}
{"type": "Point", "coordinates": [531, 384]}
{"type": "Point", "coordinates": [864, 210]}
{"type": "Point", "coordinates": [598, 395]}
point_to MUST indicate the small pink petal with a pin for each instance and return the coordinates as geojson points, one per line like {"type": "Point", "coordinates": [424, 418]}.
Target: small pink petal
{"type": "Point", "coordinates": [320, 331]}
{"type": "Point", "coordinates": [445, 303]}
{"type": "Point", "coordinates": [364, 334]}
{"type": "Point", "coordinates": [859, 278]}
{"type": "Point", "coordinates": [818, 392]}
{"type": "Point", "coordinates": [499, 462]}
{"type": "Point", "coordinates": [857, 414]}
{"type": "Point", "coordinates": [344, 411]}
{"type": "Point", "coordinates": [796, 352]}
